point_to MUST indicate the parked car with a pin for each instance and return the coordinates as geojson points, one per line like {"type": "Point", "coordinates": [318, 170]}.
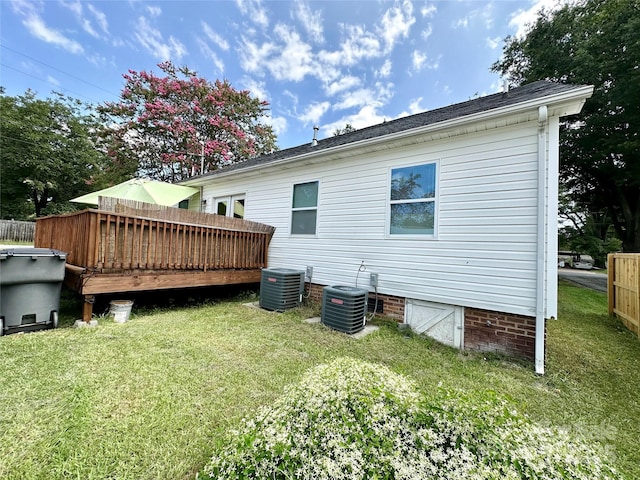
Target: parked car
{"type": "Point", "coordinates": [575, 260]}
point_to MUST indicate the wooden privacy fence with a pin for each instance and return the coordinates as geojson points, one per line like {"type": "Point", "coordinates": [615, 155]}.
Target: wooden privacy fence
{"type": "Point", "coordinates": [108, 242]}
{"type": "Point", "coordinates": [17, 231]}
{"type": "Point", "coordinates": [624, 289]}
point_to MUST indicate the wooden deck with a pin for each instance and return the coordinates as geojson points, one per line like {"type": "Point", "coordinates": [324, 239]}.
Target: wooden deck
{"type": "Point", "coordinates": [127, 249]}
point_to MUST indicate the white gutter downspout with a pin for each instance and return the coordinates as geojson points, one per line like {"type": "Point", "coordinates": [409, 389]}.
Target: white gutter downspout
{"type": "Point", "coordinates": [540, 257]}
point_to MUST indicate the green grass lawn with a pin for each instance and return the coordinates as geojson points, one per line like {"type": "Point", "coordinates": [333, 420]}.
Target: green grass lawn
{"type": "Point", "coordinates": [148, 399]}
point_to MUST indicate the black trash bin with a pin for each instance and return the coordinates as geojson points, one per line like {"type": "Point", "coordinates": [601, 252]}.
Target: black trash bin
{"type": "Point", "coordinates": [30, 284]}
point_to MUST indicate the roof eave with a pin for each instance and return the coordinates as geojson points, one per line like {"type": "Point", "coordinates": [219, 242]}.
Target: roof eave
{"type": "Point", "coordinates": [569, 102]}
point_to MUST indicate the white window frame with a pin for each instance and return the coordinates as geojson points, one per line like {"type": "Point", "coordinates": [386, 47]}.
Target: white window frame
{"type": "Point", "coordinates": [230, 199]}
{"type": "Point", "coordinates": [435, 200]}
{"type": "Point", "coordinates": [292, 210]}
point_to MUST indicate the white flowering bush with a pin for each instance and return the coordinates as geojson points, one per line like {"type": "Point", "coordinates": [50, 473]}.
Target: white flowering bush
{"type": "Point", "coordinates": [355, 420]}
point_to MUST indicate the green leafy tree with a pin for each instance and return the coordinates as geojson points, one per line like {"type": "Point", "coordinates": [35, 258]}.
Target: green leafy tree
{"type": "Point", "coordinates": [48, 154]}
{"type": "Point", "coordinates": [180, 125]}
{"type": "Point", "coordinates": [348, 128]}
{"type": "Point", "coordinates": [594, 42]}
{"type": "Point", "coordinates": [586, 231]}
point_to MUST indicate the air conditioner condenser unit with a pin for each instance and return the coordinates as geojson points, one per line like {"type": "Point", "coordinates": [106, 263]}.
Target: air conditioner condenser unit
{"type": "Point", "coordinates": [344, 308]}
{"type": "Point", "coordinates": [281, 288]}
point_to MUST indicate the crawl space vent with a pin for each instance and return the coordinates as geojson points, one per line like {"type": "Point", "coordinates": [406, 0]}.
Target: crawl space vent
{"type": "Point", "coordinates": [281, 288]}
{"type": "Point", "coordinates": [344, 308]}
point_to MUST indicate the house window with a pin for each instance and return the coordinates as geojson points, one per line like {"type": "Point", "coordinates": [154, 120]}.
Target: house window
{"type": "Point", "coordinates": [304, 209]}
{"type": "Point", "coordinates": [231, 206]}
{"type": "Point", "coordinates": [412, 208]}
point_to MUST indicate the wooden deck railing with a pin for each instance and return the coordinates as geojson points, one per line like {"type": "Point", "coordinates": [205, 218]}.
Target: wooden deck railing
{"type": "Point", "coordinates": [624, 288]}
{"type": "Point", "coordinates": [107, 242]}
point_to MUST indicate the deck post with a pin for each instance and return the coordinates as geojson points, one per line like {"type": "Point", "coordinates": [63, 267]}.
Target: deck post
{"type": "Point", "coordinates": [87, 308]}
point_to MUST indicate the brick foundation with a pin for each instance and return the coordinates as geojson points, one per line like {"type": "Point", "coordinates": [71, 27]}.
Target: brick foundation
{"type": "Point", "coordinates": [393, 307]}
{"type": "Point", "coordinates": [484, 330]}
{"type": "Point", "coordinates": [507, 333]}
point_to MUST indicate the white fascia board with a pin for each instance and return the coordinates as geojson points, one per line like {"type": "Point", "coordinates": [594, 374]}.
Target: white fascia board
{"type": "Point", "coordinates": [561, 104]}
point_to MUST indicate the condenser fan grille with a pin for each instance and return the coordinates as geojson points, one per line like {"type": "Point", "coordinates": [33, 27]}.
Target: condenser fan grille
{"type": "Point", "coordinates": [344, 308]}
{"type": "Point", "coordinates": [281, 288]}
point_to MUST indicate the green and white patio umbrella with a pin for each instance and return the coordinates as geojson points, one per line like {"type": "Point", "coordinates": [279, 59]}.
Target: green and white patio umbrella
{"type": "Point", "coordinates": [141, 190]}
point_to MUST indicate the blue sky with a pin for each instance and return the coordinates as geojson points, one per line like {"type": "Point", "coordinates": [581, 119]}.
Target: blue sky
{"type": "Point", "coordinates": [316, 62]}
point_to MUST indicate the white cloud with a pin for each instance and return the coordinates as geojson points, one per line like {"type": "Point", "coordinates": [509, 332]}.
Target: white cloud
{"type": "Point", "coordinates": [98, 60]}
{"type": "Point", "coordinates": [483, 16]}
{"type": "Point", "coordinates": [461, 23]}
{"type": "Point", "coordinates": [255, 11]}
{"type": "Point", "coordinates": [445, 89]}
{"type": "Point", "coordinates": [365, 117]}
{"type": "Point", "coordinates": [256, 88]}
{"type": "Point", "coordinates": [314, 112]}
{"type": "Point", "coordinates": [279, 124]}
{"type": "Point", "coordinates": [154, 11]}
{"type": "Point", "coordinates": [87, 27]}
{"type": "Point", "coordinates": [358, 45]}
{"type": "Point", "coordinates": [487, 15]}
{"type": "Point", "coordinates": [396, 23]}
{"type": "Point", "coordinates": [311, 21]}
{"type": "Point", "coordinates": [377, 97]}
{"type": "Point", "coordinates": [75, 7]}
{"type": "Point", "coordinates": [342, 84]}
{"type": "Point", "coordinates": [286, 57]}
{"type": "Point", "coordinates": [87, 23]}
{"type": "Point", "coordinates": [385, 69]}
{"type": "Point", "coordinates": [295, 60]}
{"type": "Point", "coordinates": [292, 96]}
{"type": "Point", "coordinates": [522, 19]}
{"type": "Point", "coordinates": [214, 37]}
{"type": "Point", "coordinates": [358, 98]}
{"type": "Point", "coordinates": [253, 57]}
{"type": "Point", "coordinates": [418, 59]}
{"type": "Point", "coordinates": [428, 11]}
{"type": "Point", "coordinates": [497, 86]}
{"type": "Point", "coordinates": [426, 33]}
{"type": "Point", "coordinates": [152, 40]}
{"type": "Point", "coordinates": [493, 43]}
{"type": "Point", "coordinates": [421, 61]}
{"type": "Point", "coordinates": [414, 106]}
{"type": "Point", "coordinates": [100, 17]}
{"type": "Point", "coordinates": [53, 81]}
{"type": "Point", "coordinates": [39, 29]}
{"type": "Point", "coordinates": [207, 52]}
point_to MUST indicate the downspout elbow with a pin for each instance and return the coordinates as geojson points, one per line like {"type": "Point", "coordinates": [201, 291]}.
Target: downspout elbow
{"type": "Point", "coordinates": [543, 116]}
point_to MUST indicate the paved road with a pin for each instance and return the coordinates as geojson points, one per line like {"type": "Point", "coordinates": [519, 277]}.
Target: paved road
{"type": "Point", "coordinates": [585, 278]}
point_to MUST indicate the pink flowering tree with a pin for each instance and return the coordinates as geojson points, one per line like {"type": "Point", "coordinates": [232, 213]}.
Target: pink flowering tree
{"type": "Point", "coordinates": [181, 125]}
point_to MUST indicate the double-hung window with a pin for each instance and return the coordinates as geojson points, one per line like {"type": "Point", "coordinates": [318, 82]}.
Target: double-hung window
{"type": "Point", "coordinates": [304, 210]}
{"type": "Point", "coordinates": [412, 200]}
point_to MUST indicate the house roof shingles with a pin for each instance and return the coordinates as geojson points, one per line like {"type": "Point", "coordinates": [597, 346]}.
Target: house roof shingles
{"type": "Point", "coordinates": [514, 96]}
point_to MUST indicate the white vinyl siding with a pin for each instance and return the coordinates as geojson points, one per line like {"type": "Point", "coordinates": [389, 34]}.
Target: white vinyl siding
{"type": "Point", "coordinates": [485, 253]}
